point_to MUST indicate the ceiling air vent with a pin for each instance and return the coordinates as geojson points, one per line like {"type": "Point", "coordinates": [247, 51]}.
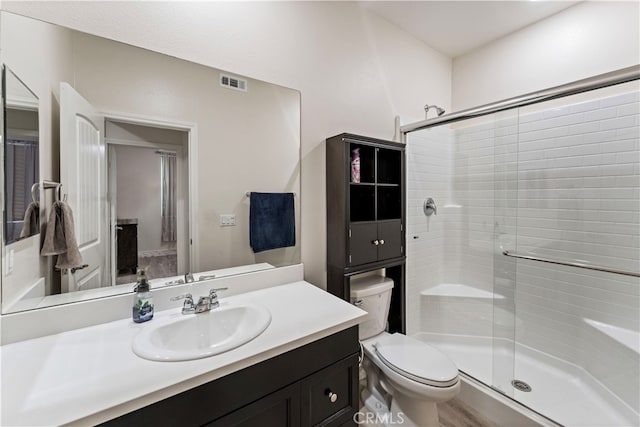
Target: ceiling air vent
{"type": "Point", "coordinates": [233, 82]}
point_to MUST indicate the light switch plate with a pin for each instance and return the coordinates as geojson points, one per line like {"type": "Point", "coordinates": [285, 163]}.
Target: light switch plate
{"type": "Point", "coordinates": [227, 220]}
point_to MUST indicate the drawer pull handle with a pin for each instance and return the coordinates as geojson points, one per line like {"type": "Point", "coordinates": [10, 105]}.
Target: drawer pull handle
{"type": "Point", "coordinates": [375, 242]}
{"type": "Point", "coordinates": [332, 396]}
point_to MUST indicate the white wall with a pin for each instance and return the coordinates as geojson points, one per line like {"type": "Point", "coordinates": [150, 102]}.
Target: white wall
{"type": "Point", "coordinates": [355, 70]}
{"type": "Point", "coordinates": [139, 191]}
{"type": "Point", "coordinates": [587, 39]}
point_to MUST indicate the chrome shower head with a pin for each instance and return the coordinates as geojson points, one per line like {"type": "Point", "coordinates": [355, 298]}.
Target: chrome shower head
{"type": "Point", "coordinates": [439, 111]}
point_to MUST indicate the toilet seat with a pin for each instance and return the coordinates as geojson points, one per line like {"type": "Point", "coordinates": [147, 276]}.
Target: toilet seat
{"type": "Point", "coordinates": [416, 360]}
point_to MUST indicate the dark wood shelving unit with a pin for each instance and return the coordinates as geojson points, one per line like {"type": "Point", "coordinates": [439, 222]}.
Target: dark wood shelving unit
{"type": "Point", "coordinates": [366, 219]}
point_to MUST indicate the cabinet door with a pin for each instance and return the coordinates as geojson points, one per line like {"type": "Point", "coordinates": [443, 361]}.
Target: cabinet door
{"type": "Point", "coordinates": [330, 396]}
{"type": "Point", "coordinates": [362, 247]}
{"type": "Point", "coordinates": [127, 248]}
{"type": "Point", "coordinates": [281, 409]}
{"type": "Point", "coordinates": [390, 239]}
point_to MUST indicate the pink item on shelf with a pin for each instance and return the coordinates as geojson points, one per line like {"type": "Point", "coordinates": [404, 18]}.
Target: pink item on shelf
{"type": "Point", "coordinates": [355, 165]}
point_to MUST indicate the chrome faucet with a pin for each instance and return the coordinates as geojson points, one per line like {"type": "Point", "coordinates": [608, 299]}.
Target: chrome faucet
{"type": "Point", "coordinates": [205, 303]}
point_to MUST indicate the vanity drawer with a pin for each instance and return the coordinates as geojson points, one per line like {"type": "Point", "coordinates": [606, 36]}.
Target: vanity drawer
{"type": "Point", "coordinates": [330, 396]}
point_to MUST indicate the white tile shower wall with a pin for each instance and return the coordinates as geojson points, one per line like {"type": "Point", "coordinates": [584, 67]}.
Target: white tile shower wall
{"type": "Point", "coordinates": [483, 173]}
{"type": "Point", "coordinates": [483, 159]}
{"type": "Point", "coordinates": [562, 183]}
{"type": "Point", "coordinates": [466, 242]}
{"type": "Point", "coordinates": [428, 175]}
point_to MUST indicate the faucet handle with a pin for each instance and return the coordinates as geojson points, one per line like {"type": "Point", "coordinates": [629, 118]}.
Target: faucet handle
{"type": "Point", "coordinates": [188, 307]}
{"type": "Point", "coordinates": [213, 296]}
{"type": "Point", "coordinates": [213, 292]}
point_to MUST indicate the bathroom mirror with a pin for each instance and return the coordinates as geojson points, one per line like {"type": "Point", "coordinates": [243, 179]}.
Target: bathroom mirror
{"type": "Point", "coordinates": [21, 158]}
{"type": "Point", "coordinates": [178, 148]}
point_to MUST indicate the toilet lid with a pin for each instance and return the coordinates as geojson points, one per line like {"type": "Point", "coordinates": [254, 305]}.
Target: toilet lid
{"type": "Point", "coordinates": [417, 360]}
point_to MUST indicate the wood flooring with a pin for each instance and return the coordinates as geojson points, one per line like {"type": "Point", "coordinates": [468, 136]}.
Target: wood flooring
{"type": "Point", "coordinates": [156, 266]}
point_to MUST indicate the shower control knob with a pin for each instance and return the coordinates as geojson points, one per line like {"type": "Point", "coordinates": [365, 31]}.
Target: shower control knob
{"type": "Point", "coordinates": [332, 396]}
{"type": "Point", "coordinates": [430, 207]}
{"type": "Point", "coordinates": [376, 242]}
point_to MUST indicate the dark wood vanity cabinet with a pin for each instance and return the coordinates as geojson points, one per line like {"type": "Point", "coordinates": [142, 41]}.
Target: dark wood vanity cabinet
{"type": "Point", "coordinates": [313, 385]}
{"type": "Point", "coordinates": [366, 215]}
{"type": "Point", "coordinates": [127, 238]}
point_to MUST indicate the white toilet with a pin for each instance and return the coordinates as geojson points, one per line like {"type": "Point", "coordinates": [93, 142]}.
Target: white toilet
{"type": "Point", "coordinates": [406, 378]}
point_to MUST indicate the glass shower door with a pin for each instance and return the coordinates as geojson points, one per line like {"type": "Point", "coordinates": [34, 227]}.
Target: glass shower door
{"type": "Point", "coordinates": [578, 201]}
{"type": "Point", "coordinates": [505, 204]}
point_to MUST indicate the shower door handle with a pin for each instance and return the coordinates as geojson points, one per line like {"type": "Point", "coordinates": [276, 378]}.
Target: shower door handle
{"type": "Point", "coordinates": [430, 207]}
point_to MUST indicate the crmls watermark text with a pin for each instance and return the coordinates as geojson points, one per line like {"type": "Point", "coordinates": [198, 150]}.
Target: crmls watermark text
{"type": "Point", "coordinates": [387, 418]}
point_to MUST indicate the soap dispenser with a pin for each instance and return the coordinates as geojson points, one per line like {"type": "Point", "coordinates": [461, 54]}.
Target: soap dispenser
{"type": "Point", "coordinates": [142, 300]}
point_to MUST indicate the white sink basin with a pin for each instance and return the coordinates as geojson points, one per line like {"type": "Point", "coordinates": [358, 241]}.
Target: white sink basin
{"type": "Point", "coordinates": [195, 336]}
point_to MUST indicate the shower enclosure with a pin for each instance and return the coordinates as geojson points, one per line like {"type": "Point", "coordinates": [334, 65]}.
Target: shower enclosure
{"type": "Point", "coordinates": [528, 275]}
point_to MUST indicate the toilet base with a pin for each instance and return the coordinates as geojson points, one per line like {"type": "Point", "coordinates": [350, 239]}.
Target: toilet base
{"type": "Point", "coordinates": [405, 412]}
{"type": "Point", "coordinates": [415, 413]}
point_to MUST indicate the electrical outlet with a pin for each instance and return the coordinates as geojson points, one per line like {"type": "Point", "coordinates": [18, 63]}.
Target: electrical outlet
{"type": "Point", "coordinates": [227, 220]}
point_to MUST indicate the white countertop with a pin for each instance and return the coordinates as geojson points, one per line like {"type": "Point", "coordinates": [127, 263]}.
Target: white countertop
{"type": "Point", "coordinates": [91, 375]}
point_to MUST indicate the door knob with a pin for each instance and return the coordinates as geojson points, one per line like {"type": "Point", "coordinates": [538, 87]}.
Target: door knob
{"type": "Point", "coordinates": [331, 395]}
{"type": "Point", "coordinates": [381, 241]}
{"type": "Point", "coordinates": [376, 242]}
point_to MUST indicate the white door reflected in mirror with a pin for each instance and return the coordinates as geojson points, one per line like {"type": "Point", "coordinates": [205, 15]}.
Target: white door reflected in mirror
{"type": "Point", "coordinates": [83, 179]}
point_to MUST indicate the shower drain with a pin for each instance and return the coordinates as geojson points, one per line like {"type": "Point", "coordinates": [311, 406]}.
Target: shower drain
{"type": "Point", "coordinates": [521, 385]}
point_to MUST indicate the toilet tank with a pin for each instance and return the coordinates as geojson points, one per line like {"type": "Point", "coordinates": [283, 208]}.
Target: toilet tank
{"type": "Point", "coordinates": [373, 295]}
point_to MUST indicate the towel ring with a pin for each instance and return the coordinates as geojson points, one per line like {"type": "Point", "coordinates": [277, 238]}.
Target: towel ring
{"type": "Point", "coordinates": [35, 196]}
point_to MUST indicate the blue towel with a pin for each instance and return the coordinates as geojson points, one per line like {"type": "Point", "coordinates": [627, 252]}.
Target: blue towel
{"type": "Point", "coordinates": [272, 222]}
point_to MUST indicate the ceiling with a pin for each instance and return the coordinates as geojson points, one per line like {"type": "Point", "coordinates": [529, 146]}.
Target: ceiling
{"type": "Point", "coordinates": [458, 27]}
